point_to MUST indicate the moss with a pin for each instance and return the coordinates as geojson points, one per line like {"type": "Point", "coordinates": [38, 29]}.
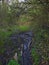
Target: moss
{"type": "Point", "coordinates": [24, 28]}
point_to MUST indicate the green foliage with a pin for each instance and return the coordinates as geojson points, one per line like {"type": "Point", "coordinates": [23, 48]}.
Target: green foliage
{"type": "Point", "coordinates": [23, 19]}
{"type": "Point", "coordinates": [13, 62]}
{"type": "Point", "coordinates": [41, 43]}
{"type": "Point", "coordinates": [37, 12]}
{"type": "Point", "coordinates": [35, 57]}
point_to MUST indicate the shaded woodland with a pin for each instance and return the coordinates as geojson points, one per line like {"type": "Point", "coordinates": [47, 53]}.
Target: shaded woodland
{"type": "Point", "coordinates": [25, 16]}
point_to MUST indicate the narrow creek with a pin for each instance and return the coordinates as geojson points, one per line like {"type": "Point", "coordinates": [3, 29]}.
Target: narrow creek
{"type": "Point", "coordinates": [26, 41]}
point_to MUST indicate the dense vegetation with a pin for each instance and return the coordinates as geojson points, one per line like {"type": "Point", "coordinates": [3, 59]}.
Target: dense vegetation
{"type": "Point", "coordinates": [29, 15]}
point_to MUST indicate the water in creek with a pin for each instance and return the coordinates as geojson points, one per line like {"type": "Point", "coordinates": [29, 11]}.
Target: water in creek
{"type": "Point", "coordinates": [27, 39]}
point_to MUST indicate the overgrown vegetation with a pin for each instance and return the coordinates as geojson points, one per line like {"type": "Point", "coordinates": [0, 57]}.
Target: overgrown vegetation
{"type": "Point", "coordinates": [30, 15]}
